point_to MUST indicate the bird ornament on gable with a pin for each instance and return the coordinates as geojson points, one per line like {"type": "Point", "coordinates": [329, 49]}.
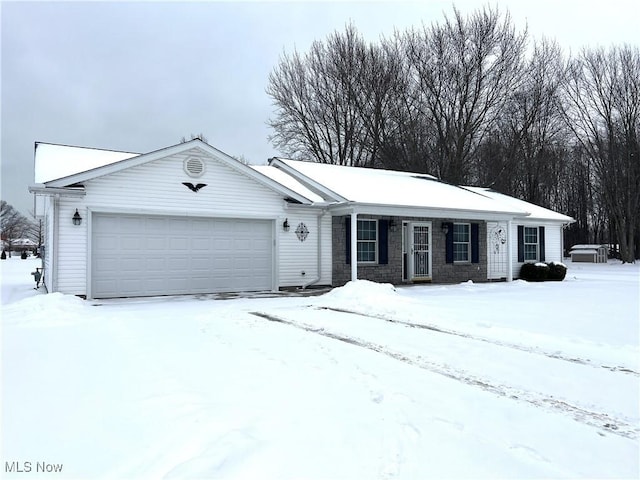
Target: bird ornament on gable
{"type": "Point", "coordinates": [192, 187]}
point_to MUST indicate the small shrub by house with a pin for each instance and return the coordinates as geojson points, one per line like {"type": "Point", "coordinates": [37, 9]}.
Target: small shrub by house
{"type": "Point", "coordinates": [540, 272]}
{"type": "Point", "coordinates": [557, 271]}
{"type": "Point", "coordinates": [534, 272]}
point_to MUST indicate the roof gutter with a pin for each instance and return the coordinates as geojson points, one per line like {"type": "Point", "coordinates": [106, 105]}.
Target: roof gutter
{"type": "Point", "coordinates": [413, 210]}
{"type": "Point", "coordinates": [40, 189]}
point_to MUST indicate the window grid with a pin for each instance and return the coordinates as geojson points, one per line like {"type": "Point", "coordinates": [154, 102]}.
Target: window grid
{"type": "Point", "coordinates": [461, 242]}
{"type": "Point", "coordinates": [530, 243]}
{"type": "Point", "coordinates": [367, 240]}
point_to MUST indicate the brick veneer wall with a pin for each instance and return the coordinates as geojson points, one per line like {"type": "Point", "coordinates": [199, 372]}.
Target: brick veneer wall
{"type": "Point", "coordinates": [441, 271]}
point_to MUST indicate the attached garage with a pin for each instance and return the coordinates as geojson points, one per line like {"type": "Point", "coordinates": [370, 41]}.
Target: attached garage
{"type": "Point", "coordinates": [145, 255]}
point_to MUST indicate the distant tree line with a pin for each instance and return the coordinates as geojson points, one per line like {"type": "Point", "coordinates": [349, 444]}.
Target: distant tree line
{"type": "Point", "coordinates": [473, 101]}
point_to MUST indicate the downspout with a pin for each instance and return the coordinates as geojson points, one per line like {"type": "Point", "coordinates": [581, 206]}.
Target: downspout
{"type": "Point", "coordinates": [510, 250]}
{"type": "Point", "coordinates": [354, 246]}
{"type": "Point", "coordinates": [319, 251]}
{"type": "Point", "coordinates": [564, 225]}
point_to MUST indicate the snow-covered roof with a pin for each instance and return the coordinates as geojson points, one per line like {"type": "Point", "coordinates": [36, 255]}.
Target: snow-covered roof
{"type": "Point", "coordinates": [394, 188]}
{"type": "Point", "coordinates": [583, 251]}
{"type": "Point", "coordinates": [58, 161]}
{"type": "Point", "coordinates": [288, 181]}
{"type": "Point", "coordinates": [535, 212]}
{"type": "Point", "coordinates": [590, 246]}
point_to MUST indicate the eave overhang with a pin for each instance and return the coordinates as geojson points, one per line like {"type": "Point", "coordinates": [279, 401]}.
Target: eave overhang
{"type": "Point", "coordinates": [40, 189]}
{"type": "Point", "coordinates": [414, 211]}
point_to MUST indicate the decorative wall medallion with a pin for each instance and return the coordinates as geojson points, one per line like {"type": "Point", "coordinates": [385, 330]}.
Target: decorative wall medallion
{"type": "Point", "coordinates": [302, 232]}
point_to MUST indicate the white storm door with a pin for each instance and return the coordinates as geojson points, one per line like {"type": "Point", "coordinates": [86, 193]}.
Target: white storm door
{"type": "Point", "coordinates": [420, 250]}
{"type": "Point", "coordinates": [497, 253]}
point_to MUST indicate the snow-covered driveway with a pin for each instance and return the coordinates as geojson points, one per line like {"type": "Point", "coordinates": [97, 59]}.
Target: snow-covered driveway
{"type": "Point", "coordinates": [477, 381]}
{"type": "Point", "coordinates": [550, 380]}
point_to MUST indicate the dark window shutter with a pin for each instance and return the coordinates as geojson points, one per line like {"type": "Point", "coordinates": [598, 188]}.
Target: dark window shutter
{"type": "Point", "coordinates": [449, 243]}
{"type": "Point", "coordinates": [475, 243]}
{"type": "Point", "coordinates": [541, 242]}
{"type": "Point", "coordinates": [520, 243]}
{"type": "Point", "coordinates": [383, 242]}
{"type": "Point", "coordinates": [347, 242]}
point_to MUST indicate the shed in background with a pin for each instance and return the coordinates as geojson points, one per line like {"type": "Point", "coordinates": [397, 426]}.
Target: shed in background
{"type": "Point", "coordinates": [589, 253]}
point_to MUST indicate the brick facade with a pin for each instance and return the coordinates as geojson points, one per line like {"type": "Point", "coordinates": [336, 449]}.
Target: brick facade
{"type": "Point", "coordinates": [392, 272]}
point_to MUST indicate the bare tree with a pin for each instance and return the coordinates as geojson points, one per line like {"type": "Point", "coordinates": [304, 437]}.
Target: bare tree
{"type": "Point", "coordinates": [13, 225]}
{"type": "Point", "coordinates": [465, 69]}
{"type": "Point", "coordinates": [199, 136]}
{"type": "Point", "coordinates": [603, 111]}
{"type": "Point", "coordinates": [525, 154]}
{"type": "Point", "coordinates": [318, 102]}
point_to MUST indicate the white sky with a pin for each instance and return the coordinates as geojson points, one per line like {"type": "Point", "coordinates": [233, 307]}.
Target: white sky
{"type": "Point", "coordinates": [139, 76]}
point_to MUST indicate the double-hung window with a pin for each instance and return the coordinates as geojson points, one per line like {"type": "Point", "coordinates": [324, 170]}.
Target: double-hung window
{"type": "Point", "coordinates": [530, 244]}
{"type": "Point", "coordinates": [461, 242]}
{"type": "Point", "coordinates": [367, 241]}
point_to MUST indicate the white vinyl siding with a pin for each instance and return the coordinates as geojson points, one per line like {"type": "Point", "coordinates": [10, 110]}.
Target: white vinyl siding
{"type": "Point", "coordinates": [49, 243]}
{"type": "Point", "coordinates": [158, 186]}
{"type": "Point", "coordinates": [71, 262]}
{"type": "Point", "coordinates": [296, 257]}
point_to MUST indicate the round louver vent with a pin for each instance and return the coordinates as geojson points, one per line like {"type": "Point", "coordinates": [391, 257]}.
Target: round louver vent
{"type": "Point", "coordinates": [194, 167]}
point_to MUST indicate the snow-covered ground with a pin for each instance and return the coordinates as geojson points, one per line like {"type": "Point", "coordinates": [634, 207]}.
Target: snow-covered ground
{"type": "Point", "coordinates": [502, 380]}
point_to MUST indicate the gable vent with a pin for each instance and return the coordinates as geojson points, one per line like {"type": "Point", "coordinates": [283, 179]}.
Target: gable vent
{"type": "Point", "coordinates": [194, 167]}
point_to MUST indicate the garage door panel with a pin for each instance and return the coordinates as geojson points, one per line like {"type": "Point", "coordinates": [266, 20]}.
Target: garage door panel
{"type": "Point", "coordinates": [156, 243]}
{"type": "Point", "coordinates": [138, 255]}
{"type": "Point", "coordinates": [200, 244]}
{"type": "Point", "coordinates": [178, 243]}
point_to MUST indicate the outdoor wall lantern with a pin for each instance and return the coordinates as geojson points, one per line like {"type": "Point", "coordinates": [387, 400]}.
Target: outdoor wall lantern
{"type": "Point", "coordinates": [392, 225]}
{"type": "Point", "coordinates": [77, 219]}
{"type": "Point", "coordinates": [445, 228]}
{"type": "Point", "coordinates": [285, 225]}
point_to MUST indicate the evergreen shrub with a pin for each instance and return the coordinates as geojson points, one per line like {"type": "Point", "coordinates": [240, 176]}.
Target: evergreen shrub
{"type": "Point", "coordinates": [534, 272]}
{"type": "Point", "coordinates": [557, 271]}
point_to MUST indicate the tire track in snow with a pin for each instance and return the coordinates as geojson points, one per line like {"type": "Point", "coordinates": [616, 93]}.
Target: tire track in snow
{"type": "Point", "coordinates": [515, 346]}
{"type": "Point", "coordinates": [587, 417]}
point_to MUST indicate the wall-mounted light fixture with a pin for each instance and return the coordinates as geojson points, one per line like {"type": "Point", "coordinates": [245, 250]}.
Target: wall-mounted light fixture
{"type": "Point", "coordinates": [445, 228]}
{"type": "Point", "coordinates": [285, 225]}
{"type": "Point", "coordinates": [393, 226]}
{"type": "Point", "coordinates": [77, 219]}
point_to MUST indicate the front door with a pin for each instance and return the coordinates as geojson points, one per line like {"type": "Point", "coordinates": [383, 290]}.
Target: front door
{"type": "Point", "coordinates": [497, 254]}
{"type": "Point", "coordinates": [420, 251]}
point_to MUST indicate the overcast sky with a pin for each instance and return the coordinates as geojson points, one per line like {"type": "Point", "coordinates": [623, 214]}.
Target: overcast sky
{"type": "Point", "coordinates": [139, 76]}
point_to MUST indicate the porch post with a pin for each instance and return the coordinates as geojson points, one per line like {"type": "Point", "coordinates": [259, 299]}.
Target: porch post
{"type": "Point", "coordinates": [510, 251]}
{"type": "Point", "coordinates": [354, 246]}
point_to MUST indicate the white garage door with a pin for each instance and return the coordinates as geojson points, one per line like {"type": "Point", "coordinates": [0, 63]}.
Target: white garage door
{"type": "Point", "coordinates": [144, 255]}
